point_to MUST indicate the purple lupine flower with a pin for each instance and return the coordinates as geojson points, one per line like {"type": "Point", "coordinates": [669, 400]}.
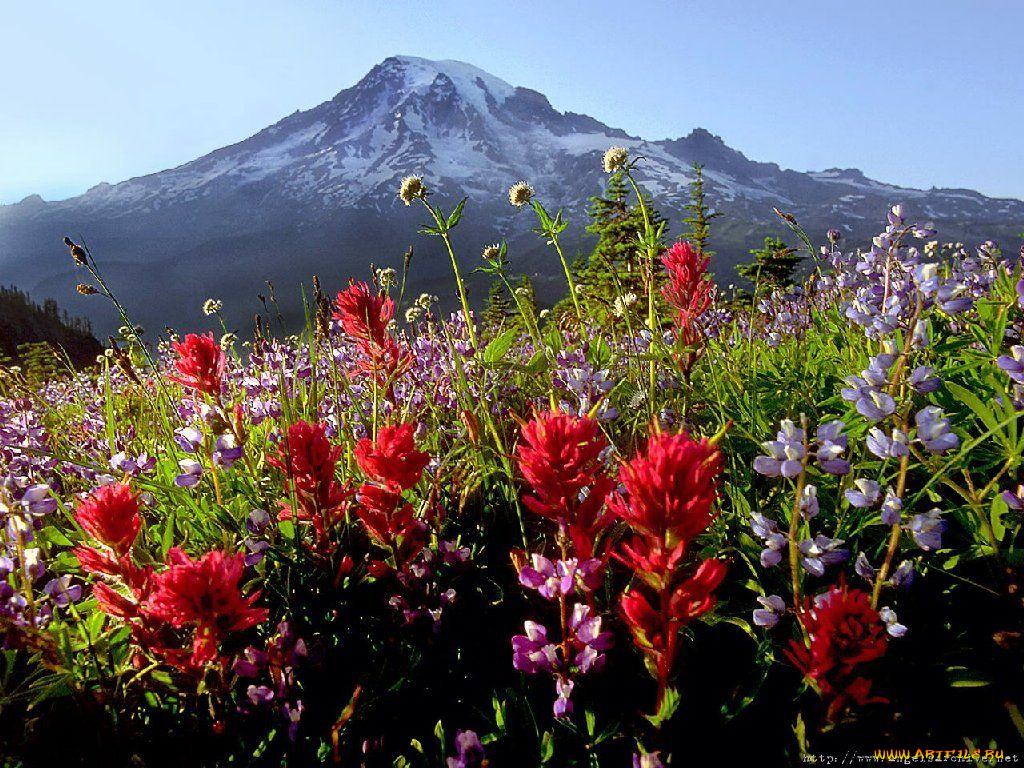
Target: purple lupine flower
{"type": "Point", "coordinates": [933, 430]}
{"type": "Point", "coordinates": [589, 574]}
{"type": "Point", "coordinates": [892, 509]}
{"type": "Point", "coordinates": [903, 576]}
{"type": "Point", "coordinates": [188, 439]}
{"type": "Point", "coordinates": [774, 541]}
{"type": "Point", "coordinates": [293, 714]}
{"type": "Point", "coordinates": [864, 494]}
{"type": "Point", "coordinates": [863, 568]}
{"type": "Point", "coordinates": [892, 624]}
{"type": "Point", "coordinates": [833, 235]}
{"type": "Point", "coordinates": [832, 444]}
{"type": "Point", "coordinates": [870, 401]}
{"type": "Point", "coordinates": [1014, 499]}
{"type": "Point", "coordinates": [809, 502]}
{"type": "Point", "coordinates": [32, 563]}
{"type": "Point", "coordinates": [587, 631]}
{"type": "Point", "coordinates": [923, 380]}
{"type": "Point", "coordinates": [259, 694]}
{"type": "Point", "coordinates": [647, 760]}
{"type": "Point", "coordinates": [785, 453]}
{"type": "Point", "coordinates": [927, 529]}
{"type": "Point", "coordinates": [563, 702]}
{"type": "Point", "coordinates": [772, 608]}
{"type": "Point", "coordinates": [953, 298]}
{"type": "Point", "coordinates": [62, 592]}
{"type": "Point", "coordinates": [37, 501]}
{"type": "Point", "coordinates": [226, 452]}
{"type": "Point", "coordinates": [1013, 363]}
{"type": "Point", "coordinates": [819, 552]}
{"type": "Point", "coordinates": [255, 550]}
{"type": "Point", "coordinates": [469, 752]}
{"type": "Point", "coordinates": [532, 652]}
{"type": "Point", "coordinates": [191, 471]}
{"type": "Point", "coordinates": [257, 521]}
{"type": "Point", "coordinates": [885, 447]}
{"type": "Point", "coordinates": [550, 579]}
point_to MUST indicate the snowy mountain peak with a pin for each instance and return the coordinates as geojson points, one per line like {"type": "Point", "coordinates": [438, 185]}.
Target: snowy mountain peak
{"type": "Point", "coordinates": [316, 192]}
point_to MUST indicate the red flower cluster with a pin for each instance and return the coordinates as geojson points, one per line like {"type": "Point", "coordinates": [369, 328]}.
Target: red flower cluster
{"type": "Point", "coordinates": [689, 291]}
{"type": "Point", "coordinates": [392, 459]}
{"type": "Point", "coordinates": [669, 493]}
{"type": "Point", "coordinates": [393, 465]}
{"type": "Point", "coordinates": [309, 459]}
{"type": "Point", "coordinates": [843, 632]}
{"type": "Point", "coordinates": [364, 315]}
{"type": "Point", "coordinates": [111, 516]}
{"type": "Point", "coordinates": [560, 457]}
{"type": "Point", "coordinates": [200, 364]}
{"type": "Point", "coordinates": [204, 593]}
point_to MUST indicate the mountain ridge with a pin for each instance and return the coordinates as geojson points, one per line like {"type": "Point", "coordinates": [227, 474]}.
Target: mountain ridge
{"type": "Point", "coordinates": [326, 179]}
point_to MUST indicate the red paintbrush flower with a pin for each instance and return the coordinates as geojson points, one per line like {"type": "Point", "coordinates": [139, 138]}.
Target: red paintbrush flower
{"type": "Point", "coordinates": [364, 314]}
{"type": "Point", "coordinates": [843, 631]}
{"type": "Point", "coordinates": [204, 593]}
{"type": "Point", "coordinates": [200, 363]}
{"type": "Point", "coordinates": [669, 489]}
{"type": "Point", "coordinates": [392, 459]}
{"type": "Point", "coordinates": [111, 516]}
{"type": "Point", "coordinates": [113, 603]}
{"type": "Point", "coordinates": [94, 561]}
{"type": "Point", "coordinates": [688, 292]}
{"type": "Point", "coordinates": [308, 458]}
{"type": "Point", "coordinates": [560, 457]}
{"type": "Point", "coordinates": [695, 596]}
{"type": "Point", "coordinates": [391, 521]}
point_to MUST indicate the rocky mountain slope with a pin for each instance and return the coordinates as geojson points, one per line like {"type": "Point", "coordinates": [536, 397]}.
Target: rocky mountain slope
{"type": "Point", "coordinates": [316, 193]}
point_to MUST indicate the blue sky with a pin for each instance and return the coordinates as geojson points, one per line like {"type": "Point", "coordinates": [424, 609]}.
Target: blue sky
{"type": "Point", "coordinates": [919, 92]}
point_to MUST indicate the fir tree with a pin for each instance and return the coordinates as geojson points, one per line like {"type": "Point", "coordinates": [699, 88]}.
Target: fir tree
{"type": "Point", "coordinates": [616, 266]}
{"type": "Point", "coordinates": [773, 264]}
{"type": "Point", "coordinates": [498, 308]}
{"type": "Point", "coordinates": [700, 216]}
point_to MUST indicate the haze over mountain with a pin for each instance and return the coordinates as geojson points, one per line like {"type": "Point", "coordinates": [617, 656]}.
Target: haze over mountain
{"type": "Point", "coordinates": [315, 193]}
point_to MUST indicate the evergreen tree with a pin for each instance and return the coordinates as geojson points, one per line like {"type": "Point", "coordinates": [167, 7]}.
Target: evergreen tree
{"type": "Point", "coordinates": [526, 297]}
{"type": "Point", "coordinates": [700, 216]}
{"type": "Point", "coordinates": [616, 266]}
{"type": "Point", "coordinates": [498, 308]}
{"type": "Point", "coordinates": [773, 264]}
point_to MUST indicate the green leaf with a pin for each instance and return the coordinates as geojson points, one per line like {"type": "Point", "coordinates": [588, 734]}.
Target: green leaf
{"type": "Point", "coordinates": [499, 347]}
{"type": "Point", "coordinates": [962, 677]}
{"type": "Point", "coordinates": [669, 705]}
{"type": "Point", "coordinates": [456, 216]}
{"type": "Point", "coordinates": [972, 401]}
{"type": "Point", "coordinates": [547, 746]}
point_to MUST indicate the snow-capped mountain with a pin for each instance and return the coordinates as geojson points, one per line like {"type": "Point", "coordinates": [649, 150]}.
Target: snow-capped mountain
{"type": "Point", "coordinates": [316, 193]}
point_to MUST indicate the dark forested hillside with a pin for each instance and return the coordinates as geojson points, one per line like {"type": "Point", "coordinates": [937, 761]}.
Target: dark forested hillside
{"type": "Point", "coordinates": [23, 321]}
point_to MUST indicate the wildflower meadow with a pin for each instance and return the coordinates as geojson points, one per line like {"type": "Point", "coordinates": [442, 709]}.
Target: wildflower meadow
{"type": "Point", "coordinates": [664, 522]}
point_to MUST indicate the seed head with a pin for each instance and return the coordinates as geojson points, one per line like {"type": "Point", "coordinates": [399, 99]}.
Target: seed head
{"type": "Point", "coordinates": [387, 278]}
{"type": "Point", "coordinates": [491, 252]}
{"type": "Point", "coordinates": [411, 189]}
{"type": "Point", "coordinates": [615, 158]}
{"type": "Point", "coordinates": [77, 252]}
{"type": "Point", "coordinates": [520, 193]}
{"type": "Point", "coordinates": [85, 289]}
{"type": "Point", "coordinates": [228, 340]}
{"type": "Point", "coordinates": [212, 306]}
{"type": "Point", "coordinates": [413, 314]}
